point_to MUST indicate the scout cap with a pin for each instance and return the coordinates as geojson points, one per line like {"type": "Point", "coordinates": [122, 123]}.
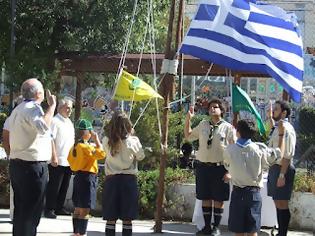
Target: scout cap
{"type": "Point", "coordinates": [83, 124]}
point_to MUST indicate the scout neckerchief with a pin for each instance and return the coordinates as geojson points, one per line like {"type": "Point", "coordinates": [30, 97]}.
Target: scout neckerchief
{"type": "Point", "coordinates": [213, 127]}
{"type": "Point", "coordinates": [243, 142]}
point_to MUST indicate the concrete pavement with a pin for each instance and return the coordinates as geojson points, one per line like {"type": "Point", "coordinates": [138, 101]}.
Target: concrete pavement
{"type": "Point", "coordinates": [62, 226]}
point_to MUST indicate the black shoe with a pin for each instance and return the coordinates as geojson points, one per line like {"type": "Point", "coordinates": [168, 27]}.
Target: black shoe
{"type": "Point", "coordinates": [204, 231]}
{"type": "Point", "coordinates": [215, 231]}
{"type": "Point", "coordinates": [50, 214]}
{"type": "Point", "coordinates": [62, 212]}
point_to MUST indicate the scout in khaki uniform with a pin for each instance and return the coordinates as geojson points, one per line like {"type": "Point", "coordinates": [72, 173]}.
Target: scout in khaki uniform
{"type": "Point", "coordinates": [245, 161]}
{"type": "Point", "coordinates": [212, 185]}
{"type": "Point", "coordinates": [120, 190]}
{"type": "Point", "coordinates": [83, 160]}
{"type": "Point", "coordinates": [281, 175]}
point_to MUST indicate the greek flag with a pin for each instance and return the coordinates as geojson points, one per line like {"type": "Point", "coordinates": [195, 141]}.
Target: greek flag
{"type": "Point", "coordinates": [246, 36]}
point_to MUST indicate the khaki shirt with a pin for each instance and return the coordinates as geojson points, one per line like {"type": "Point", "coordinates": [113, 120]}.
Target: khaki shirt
{"type": "Point", "coordinates": [289, 141]}
{"type": "Point", "coordinates": [125, 161]}
{"type": "Point", "coordinates": [30, 137]}
{"type": "Point", "coordinates": [246, 163]}
{"type": "Point", "coordinates": [222, 136]}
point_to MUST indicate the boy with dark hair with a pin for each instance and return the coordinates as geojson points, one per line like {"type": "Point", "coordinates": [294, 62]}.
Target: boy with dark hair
{"type": "Point", "coordinates": [245, 160]}
{"type": "Point", "coordinates": [281, 174]}
{"type": "Point", "coordinates": [212, 186]}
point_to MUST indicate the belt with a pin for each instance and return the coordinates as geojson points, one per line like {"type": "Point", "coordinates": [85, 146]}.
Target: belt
{"type": "Point", "coordinates": [116, 175]}
{"type": "Point", "coordinates": [26, 162]}
{"type": "Point", "coordinates": [212, 163]}
{"type": "Point", "coordinates": [84, 172]}
{"type": "Point", "coordinates": [250, 188]}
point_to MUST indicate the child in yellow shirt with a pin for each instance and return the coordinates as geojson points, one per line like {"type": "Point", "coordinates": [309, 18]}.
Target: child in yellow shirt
{"type": "Point", "coordinates": [83, 161]}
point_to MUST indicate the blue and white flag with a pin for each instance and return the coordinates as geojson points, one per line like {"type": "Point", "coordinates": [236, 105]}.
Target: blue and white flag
{"type": "Point", "coordinates": [245, 36]}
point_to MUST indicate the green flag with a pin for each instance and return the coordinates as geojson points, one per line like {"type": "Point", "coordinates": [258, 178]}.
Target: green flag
{"type": "Point", "coordinates": [242, 102]}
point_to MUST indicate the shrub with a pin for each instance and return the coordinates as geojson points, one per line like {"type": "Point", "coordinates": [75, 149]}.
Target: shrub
{"type": "Point", "coordinates": [4, 183]}
{"type": "Point", "coordinates": [3, 117]}
{"type": "Point", "coordinates": [305, 130]}
{"type": "Point", "coordinates": [303, 182]}
{"type": "Point", "coordinates": [148, 181]}
{"type": "Point", "coordinates": [148, 132]}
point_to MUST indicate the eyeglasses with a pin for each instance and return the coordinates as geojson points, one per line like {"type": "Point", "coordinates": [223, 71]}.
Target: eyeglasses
{"type": "Point", "coordinates": [214, 107]}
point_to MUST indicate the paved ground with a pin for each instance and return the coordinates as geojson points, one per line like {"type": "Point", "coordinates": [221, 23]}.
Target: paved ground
{"type": "Point", "coordinates": [62, 226]}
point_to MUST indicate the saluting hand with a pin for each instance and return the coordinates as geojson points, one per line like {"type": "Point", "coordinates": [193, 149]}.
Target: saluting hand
{"type": "Point", "coordinates": [95, 138]}
{"type": "Point", "coordinates": [94, 135]}
{"type": "Point", "coordinates": [190, 113]}
{"type": "Point", "coordinates": [51, 99]}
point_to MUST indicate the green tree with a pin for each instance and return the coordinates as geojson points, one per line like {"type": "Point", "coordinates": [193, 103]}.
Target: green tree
{"type": "Point", "coordinates": [148, 132]}
{"type": "Point", "coordinates": [44, 27]}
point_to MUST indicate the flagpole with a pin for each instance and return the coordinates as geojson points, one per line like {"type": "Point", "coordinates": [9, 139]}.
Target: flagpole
{"type": "Point", "coordinates": [237, 81]}
{"type": "Point", "coordinates": [167, 93]}
{"type": "Point", "coordinates": [231, 94]}
{"type": "Point", "coordinates": [193, 88]}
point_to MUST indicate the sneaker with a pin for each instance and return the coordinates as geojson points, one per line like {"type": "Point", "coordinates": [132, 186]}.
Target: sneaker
{"type": "Point", "coordinates": [215, 231]}
{"type": "Point", "coordinates": [50, 214]}
{"type": "Point", "coordinates": [62, 212]}
{"type": "Point", "coordinates": [204, 231]}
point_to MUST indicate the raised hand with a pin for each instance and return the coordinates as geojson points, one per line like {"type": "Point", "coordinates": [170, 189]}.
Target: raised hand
{"type": "Point", "coordinates": [51, 99]}
{"type": "Point", "coordinates": [190, 113]}
{"type": "Point", "coordinates": [94, 135]}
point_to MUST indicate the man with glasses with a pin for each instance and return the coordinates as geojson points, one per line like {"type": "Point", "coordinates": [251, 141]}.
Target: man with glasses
{"type": "Point", "coordinates": [212, 185]}
{"type": "Point", "coordinates": [59, 171]}
{"type": "Point", "coordinates": [281, 175]}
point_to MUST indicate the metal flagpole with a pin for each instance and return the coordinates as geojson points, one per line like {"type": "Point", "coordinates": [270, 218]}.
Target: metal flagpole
{"type": "Point", "coordinates": [231, 94]}
{"type": "Point", "coordinates": [193, 88]}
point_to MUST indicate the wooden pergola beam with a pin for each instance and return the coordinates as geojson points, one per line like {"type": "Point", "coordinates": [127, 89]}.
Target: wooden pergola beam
{"type": "Point", "coordinates": [105, 63]}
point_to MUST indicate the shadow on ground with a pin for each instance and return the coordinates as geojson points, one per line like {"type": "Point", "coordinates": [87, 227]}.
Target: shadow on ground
{"type": "Point", "coordinates": [175, 229]}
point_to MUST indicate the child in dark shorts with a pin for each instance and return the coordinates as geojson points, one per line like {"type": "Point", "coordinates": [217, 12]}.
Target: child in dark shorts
{"type": "Point", "coordinates": [245, 161]}
{"type": "Point", "coordinates": [120, 192]}
{"type": "Point", "coordinates": [83, 161]}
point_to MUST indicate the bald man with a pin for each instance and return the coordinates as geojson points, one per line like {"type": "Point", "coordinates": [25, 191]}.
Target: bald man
{"type": "Point", "coordinates": [30, 149]}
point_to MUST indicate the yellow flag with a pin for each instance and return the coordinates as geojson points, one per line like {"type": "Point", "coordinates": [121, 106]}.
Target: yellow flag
{"type": "Point", "coordinates": [131, 88]}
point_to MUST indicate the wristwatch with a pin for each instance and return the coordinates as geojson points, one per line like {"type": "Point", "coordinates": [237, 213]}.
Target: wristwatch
{"type": "Point", "coordinates": [281, 175]}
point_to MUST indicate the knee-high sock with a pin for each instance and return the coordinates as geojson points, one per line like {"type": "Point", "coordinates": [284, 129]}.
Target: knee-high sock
{"type": "Point", "coordinates": [127, 229]}
{"type": "Point", "coordinates": [283, 221]}
{"type": "Point", "coordinates": [75, 225]}
{"type": "Point", "coordinates": [110, 229]}
{"type": "Point", "coordinates": [207, 214]}
{"type": "Point", "coordinates": [217, 215]}
{"type": "Point", "coordinates": [83, 225]}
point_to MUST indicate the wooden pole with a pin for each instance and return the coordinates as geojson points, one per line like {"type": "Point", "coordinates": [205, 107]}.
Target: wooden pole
{"type": "Point", "coordinates": [167, 88]}
{"type": "Point", "coordinates": [179, 38]}
{"type": "Point", "coordinates": [285, 95]}
{"type": "Point", "coordinates": [78, 96]}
